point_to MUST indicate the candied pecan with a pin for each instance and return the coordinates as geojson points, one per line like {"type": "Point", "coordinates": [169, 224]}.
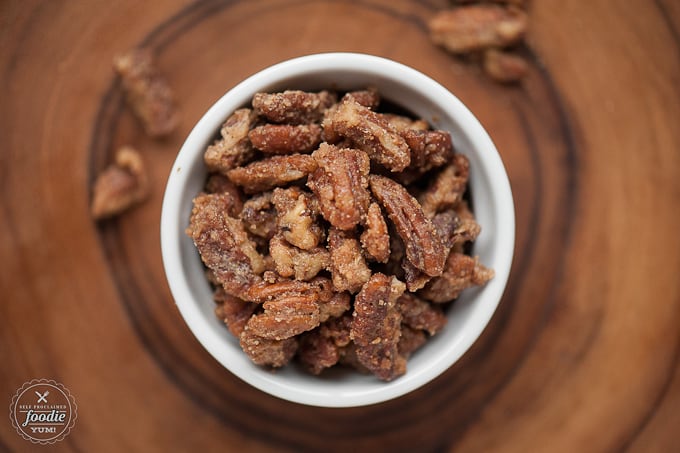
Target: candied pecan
{"type": "Point", "coordinates": [234, 148]}
{"type": "Point", "coordinates": [461, 272]}
{"type": "Point", "coordinates": [504, 66]}
{"type": "Point", "coordinates": [262, 351]}
{"type": "Point", "coordinates": [348, 266]}
{"type": "Point", "coordinates": [297, 213]}
{"type": "Point", "coordinates": [340, 183]}
{"type": "Point", "coordinates": [376, 238]}
{"type": "Point", "coordinates": [267, 290]}
{"type": "Point", "coordinates": [348, 357]}
{"type": "Point", "coordinates": [448, 187]}
{"type": "Point", "coordinates": [120, 186]}
{"type": "Point", "coordinates": [275, 171]}
{"type": "Point", "coordinates": [285, 138]}
{"type": "Point", "coordinates": [223, 244]}
{"type": "Point", "coordinates": [415, 278]}
{"type": "Point", "coordinates": [317, 352]}
{"type": "Point", "coordinates": [401, 123]}
{"type": "Point", "coordinates": [371, 133]}
{"type": "Point", "coordinates": [322, 347]}
{"type": "Point", "coordinates": [429, 149]}
{"type": "Point", "coordinates": [233, 311]}
{"type": "Point", "coordinates": [147, 92]}
{"type": "Point", "coordinates": [338, 304]}
{"type": "Point", "coordinates": [447, 224]}
{"type": "Point", "coordinates": [259, 216]}
{"type": "Point", "coordinates": [369, 98]}
{"type": "Point", "coordinates": [476, 27]}
{"type": "Point", "coordinates": [376, 326]}
{"type": "Point", "coordinates": [293, 106]}
{"type": "Point", "coordinates": [292, 261]}
{"type": "Point", "coordinates": [419, 314]}
{"type": "Point", "coordinates": [218, 183]}
{"type": "Point", "coordinates": [286, 317]}
{"type": "Point", "coordinates": [410, 340]}
{"type": "Point", "coordinates": [424, 248]}
{"type": "Point", "coordinates": [468, 229]}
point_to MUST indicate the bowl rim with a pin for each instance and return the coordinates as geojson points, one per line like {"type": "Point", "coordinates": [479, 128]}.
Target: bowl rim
{"type": "Point", "coordinates": [172, 231]}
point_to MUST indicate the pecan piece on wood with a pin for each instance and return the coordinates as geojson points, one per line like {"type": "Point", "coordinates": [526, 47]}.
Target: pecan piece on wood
{"type": "Point", "coordinates": [147, 92]}
{"type": "Point", "coordinates": [348, 267]}
{"type": "Point", "coordinates": [462, 271]}
{"type": "Point", "coordinates": [285, 138]}
{"type": "Point", "coordinates": [424, 248]}
{"type": "Point", "coordinates": [340, 183]}
{"type": "Point", "coordinates": [504, 67]}
{"type": "Point", "coordinates": [475, 27]}
{"type": "Point", "coordinates": [233, 149]}
{"type": "Point", "coordinates": [120, 186]}
{"type": "Point", "coordinates": [293, 106]}
{"type": "Point", "coordinates": [223, 244]}
{"type": "Point", "coordinates": [376, 326]}
{"type": "Point", "coordinates": [275, 171]}
{"type": "Point", "coordinates": [369, 132]}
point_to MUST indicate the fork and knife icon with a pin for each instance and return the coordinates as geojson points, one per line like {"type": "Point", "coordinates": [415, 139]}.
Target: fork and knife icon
{"type": "Point", "coordinates": [42, 398]}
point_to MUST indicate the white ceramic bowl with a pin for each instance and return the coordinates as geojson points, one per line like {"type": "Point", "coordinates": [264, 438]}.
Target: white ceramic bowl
{"type": "Point", "coordinates": [491, 198]}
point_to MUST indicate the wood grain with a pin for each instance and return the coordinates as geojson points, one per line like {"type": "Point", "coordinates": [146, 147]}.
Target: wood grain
{"type": "Point", "coordinates": [583, 350]}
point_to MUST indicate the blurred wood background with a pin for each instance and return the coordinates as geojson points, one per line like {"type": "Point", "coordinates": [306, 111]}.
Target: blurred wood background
{"type": "Point", "coordinates": [582, 354]}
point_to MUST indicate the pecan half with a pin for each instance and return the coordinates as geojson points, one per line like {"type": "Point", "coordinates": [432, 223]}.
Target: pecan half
{"type": "Point", "coordinates": [147, 92]}
{"type": "Point", "coordinates": [448, 187]}
{"type": "Point", "coordinates": [340, 183]}
{"type": "Point", "coordinates": [419, 314]}
{"type": "Point", "coordinates": [462, 271]}
{"type": "Point", "coordinates": [121, 186]}
{"type": "Point", "coordinates": [293, 106]}
{"type": "Point", "coordinates": [376, 238]}
{"type": "Point", "coordinates": [275, 171]}
{"type": "Point", "coordinates": [348, 267]}
{"type": "Point", "coordinates": [224, 245]}
{"type": "Point", "coordinates": [285, 138]}
{"type": "Point", "coordinates": [262, 351]}
{"type": "Point", "coordinates": [369, 132]}
{"type": "Point", "coordinates": [369, 98]}
{"type": "Point", "coordinates": [233, 148]}
{"type": "Point", "coordinates": [424, 248]}
{"type": "Point", "coordinates": [475, 27]}
{"type": "Point", "coordinates": [376, 326]}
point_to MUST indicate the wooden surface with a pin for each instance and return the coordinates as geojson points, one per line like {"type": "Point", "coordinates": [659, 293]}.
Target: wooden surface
{"type": "Point", "coordinates": [582, 354]}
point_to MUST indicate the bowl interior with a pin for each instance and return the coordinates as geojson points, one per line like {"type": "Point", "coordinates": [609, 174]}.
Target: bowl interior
{"type": "Point", "coordinates": [489, 191]}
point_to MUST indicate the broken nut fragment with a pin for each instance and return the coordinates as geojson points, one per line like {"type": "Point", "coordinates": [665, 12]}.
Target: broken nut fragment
{"type": "Point", "coordinates": [147, 92]}
{"type": "Point", "coordinates": [120, 186]}
{"type": "Point", "coordinates": [233, 149]}
{"type": "Point", "coordinates": [504, 67]}
{"type": "Point", "coordinates": [475, 27]}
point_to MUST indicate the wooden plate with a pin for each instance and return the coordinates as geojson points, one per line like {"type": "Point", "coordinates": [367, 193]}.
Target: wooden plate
{"type": "Point", "coordinates": [583, 351]}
